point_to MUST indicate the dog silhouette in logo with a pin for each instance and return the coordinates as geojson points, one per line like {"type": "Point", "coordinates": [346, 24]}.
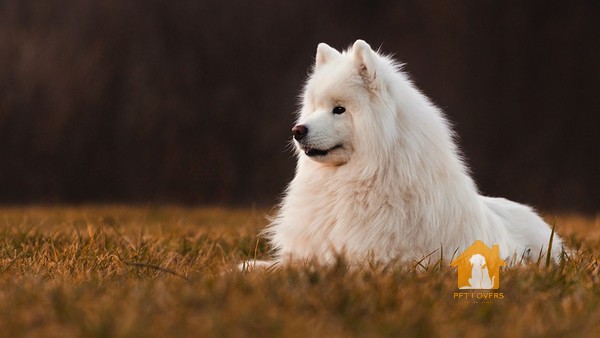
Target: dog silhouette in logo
{"type": "Point", "coordinates": [480, 277]}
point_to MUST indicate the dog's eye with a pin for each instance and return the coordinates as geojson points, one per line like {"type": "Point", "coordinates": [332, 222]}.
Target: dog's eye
{"type": "Point", "coordinates": [338, 110]}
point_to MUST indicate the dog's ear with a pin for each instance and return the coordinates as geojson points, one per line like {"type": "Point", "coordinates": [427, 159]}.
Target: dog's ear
{"type": "Point", "coordinates": [364, 58]}
{"type": "Point", "coordinates": [324, 54]}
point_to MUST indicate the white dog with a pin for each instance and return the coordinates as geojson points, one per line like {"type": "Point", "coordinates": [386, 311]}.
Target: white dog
{"type": "Point", "coordinates": [480, 276]}
{"type": "Point", "coordinates": [380, 177]}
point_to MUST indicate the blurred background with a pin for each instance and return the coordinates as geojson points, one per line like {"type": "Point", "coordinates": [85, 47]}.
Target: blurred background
{"type": "Point", "coordinates": [152, 101]}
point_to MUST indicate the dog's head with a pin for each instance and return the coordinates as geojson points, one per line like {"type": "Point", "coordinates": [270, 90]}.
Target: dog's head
{"type": "Point", "coordinates": [477, 260]}
{"type": "Point", "coordinates": [334, 97]}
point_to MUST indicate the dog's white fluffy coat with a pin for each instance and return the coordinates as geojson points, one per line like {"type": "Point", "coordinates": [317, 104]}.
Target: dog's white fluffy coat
{"type": "Point", "coordinates": [396, 186]}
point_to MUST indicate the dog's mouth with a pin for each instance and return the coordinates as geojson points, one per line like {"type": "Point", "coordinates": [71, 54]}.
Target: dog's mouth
{"type": "Point", "coordinates": [312, 152]}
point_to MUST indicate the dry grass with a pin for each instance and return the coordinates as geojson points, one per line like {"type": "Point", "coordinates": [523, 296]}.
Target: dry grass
{"type": "Point", "coordinates": [163, 271]}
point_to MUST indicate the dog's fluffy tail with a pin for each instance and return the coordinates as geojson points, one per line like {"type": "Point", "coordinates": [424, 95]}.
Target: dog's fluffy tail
{"type": "Point", "coordinates": [529, 234]}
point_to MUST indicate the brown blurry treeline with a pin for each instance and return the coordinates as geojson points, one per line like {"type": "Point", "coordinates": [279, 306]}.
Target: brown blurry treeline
{"type": "Point", "coordinates": [192, 101]}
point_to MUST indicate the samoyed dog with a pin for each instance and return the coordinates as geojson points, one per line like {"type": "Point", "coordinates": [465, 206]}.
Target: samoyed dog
{"type": "Point", "coordinates": [379, 176]}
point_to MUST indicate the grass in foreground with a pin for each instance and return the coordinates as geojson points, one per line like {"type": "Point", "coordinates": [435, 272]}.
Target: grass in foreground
{"type": "Point", "coordinates": [166, 271]}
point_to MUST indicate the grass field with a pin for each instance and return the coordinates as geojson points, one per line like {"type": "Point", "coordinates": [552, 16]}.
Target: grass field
{"type": "Point", "coordinates": [112, 271]}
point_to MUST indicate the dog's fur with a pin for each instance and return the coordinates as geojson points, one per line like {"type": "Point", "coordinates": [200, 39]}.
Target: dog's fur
{"type": "Point", "coordinates": [387, 181]}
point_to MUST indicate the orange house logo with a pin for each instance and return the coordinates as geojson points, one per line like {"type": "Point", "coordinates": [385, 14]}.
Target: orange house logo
{"type": "Point", "coordinates": [479, 267]}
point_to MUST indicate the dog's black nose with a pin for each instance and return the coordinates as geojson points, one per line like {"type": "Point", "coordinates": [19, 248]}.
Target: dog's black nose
{"type": "Point", "coordinates": [299, 131]}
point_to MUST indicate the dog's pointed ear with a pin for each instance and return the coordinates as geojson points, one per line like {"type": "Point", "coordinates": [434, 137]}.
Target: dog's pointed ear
{"type": "Point", "coordinates": [325, 54]}
{"type": "Point", "coordinates": [364, 57]}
